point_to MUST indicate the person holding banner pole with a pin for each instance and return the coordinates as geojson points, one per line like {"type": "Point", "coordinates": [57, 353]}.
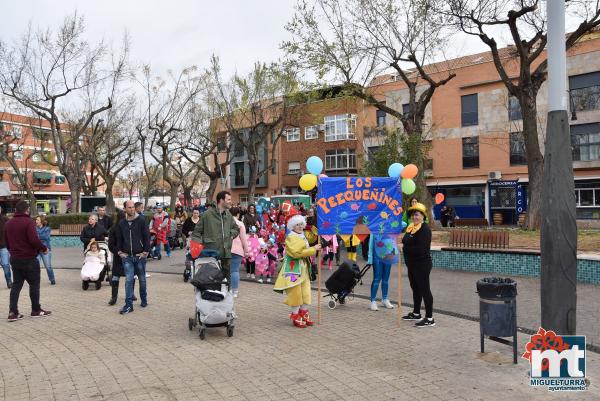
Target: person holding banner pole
{"type": "Point", "coordinates": [417, 256]}
{"type": "Point", "coordinates": [294, 276]}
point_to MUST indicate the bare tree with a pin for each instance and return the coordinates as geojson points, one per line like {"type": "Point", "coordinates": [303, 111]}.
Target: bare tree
{"type": "Point", "coordinates": [356, 41]}
{"type": "Point", "coordinates": [255, 110]}
{"type": "Point", "coordinates": [131, 180]}
{"type": "Point", "coordinates": [525, 23]}
{"type": "Point", "coordinates": [166, 107]}
{"type": "Point", "coordinates": [42, 72]}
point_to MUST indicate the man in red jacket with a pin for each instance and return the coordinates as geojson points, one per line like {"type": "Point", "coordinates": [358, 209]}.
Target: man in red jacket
{"type": "Point", "coordinates": [24, 245]}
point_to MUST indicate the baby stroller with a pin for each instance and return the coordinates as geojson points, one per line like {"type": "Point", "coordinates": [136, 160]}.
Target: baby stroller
{"type": "Point", "coordinates": [213, 302]}
{"type": "Point", "coordinates": [95, 270]}
{"type": "Point", "coordinates": [342, 282]}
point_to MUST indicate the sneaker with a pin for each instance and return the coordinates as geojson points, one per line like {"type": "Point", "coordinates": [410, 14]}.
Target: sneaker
{"type": "Point", "coordinates": [387, 304]}
{"type": "Point", "coordinates": [268, 279]}
{"type": "Point", "coordinates": [144, 304]}
{"type": "Point", "coordinates": [260, 280]}
{"type": "Point", "coordinates": [426, 322]}
{"type": "Point", "coordinates": [373, 306]}
{"type": "Point", "coordinates": [235, 294]}
{"type": "Point", "coordinates": [252, 276]}
{"type": "Point", "coordinates": [40, 313]}
{"type": "Point", "coordinates": [148, 275]}
{"type": "Point", "coordinates": [412, 316]}
{"type": "Point", "coordinates": [13, 317]}
{"type": "Point", "coordinates": [53, 282]}
{"type": "Point", "coordinates": [126, 310]}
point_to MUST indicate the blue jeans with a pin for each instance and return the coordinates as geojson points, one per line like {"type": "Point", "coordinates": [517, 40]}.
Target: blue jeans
{"type": "Point", "coordinates": [381, 274]}
{"type": "Point", "coordinates": [236, 261]}
{"type": "Point", "coordinates": [134, 265]}
{"type": "Point", "coordinates": [157, 249]}
{"type": "Point", "coordinates": [46, 259]}
{"type": "Point", "coordinates": [5, 262]}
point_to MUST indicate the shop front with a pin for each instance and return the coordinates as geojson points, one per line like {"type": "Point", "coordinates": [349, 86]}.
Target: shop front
{"type": "Point", "coordinates": [507, 202]}
{"type": "Point", "coordinates": [468, 200]}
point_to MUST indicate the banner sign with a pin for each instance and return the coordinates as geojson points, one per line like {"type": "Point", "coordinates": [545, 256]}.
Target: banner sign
{"type": "Point", "coordinates": [359, 205]}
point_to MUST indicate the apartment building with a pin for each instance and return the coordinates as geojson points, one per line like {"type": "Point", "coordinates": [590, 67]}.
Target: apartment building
{"type": "Point", "coordinates": [25, 138]}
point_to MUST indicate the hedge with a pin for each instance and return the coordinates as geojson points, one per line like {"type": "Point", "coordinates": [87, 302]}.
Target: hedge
{"type": "Point", "coordinates": [55, 220]}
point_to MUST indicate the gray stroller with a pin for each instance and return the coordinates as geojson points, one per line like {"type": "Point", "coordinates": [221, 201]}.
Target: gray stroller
{"type": "Point", "coordinates": [213, 303]}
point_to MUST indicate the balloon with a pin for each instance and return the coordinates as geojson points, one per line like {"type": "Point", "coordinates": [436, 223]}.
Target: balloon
{"type": "Point", "coordinates": [314, 165]}
{"type": "Point", "coordinates": [439, 198]}
{"type": "Point", "coordinates": [404, 225]}
{"type": "Point", "coordinates": [410, 171]}
{"type": "Point", "coordinates": [259, 209]}
{"type": "Point", "coordinates": [308, 182]}
{"type": "Point", "coordinates": [322, 175]}
{"type": "Point", "coordinates": [395, 170]}
{"type": "Point", "coordinates": [408, 186]}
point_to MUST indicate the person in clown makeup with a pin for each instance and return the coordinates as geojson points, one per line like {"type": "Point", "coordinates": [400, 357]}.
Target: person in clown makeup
{"type": "Point", "coordinates": [294, 276]}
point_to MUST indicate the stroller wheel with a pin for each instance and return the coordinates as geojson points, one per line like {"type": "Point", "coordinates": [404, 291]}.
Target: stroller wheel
{"type": "Point", "coordinates": [85, 285]}
{"type": "Point", "coordinates": [185, 277]}
{"type": "Point", "coordinates": [229, 331]}
{"type": "Point", "coordinates": [331, 304]}
{"type": "Point", "coordinates": [191, 323]}
{"type": "Point", "coordinates": [98, 284]}
{"type": "Point", "coordinates": [202, 334]}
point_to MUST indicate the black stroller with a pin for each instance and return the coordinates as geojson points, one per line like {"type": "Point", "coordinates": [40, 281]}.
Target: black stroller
{"type": "Point", "coordinates": [342, 282]}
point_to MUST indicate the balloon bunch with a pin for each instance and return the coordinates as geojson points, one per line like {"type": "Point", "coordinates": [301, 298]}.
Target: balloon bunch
{"type": "Point", "coordinates": [314, 165]}
{"type": "Point", "coordinates": [408, 172]}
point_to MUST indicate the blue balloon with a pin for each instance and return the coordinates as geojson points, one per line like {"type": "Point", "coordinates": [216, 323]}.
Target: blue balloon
{"type": "Point", "coordinates": [314, 165]}
{"type": "Point", "coordinates": [395, 170]}
{"type": "Point", "coordinates": [404, 225]}
{"type": "Point", "coordinates": [259, 209]}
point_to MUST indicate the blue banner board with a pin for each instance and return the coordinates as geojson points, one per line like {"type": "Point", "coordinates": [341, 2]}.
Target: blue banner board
{"type": "Point", "coordinates": [359, 205]}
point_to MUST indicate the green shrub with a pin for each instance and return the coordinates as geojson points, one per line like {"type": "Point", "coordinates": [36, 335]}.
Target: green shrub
{"type": "Point", "coordinates": [55, 220]}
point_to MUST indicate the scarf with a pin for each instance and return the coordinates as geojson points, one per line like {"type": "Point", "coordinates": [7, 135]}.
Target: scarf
{"type": "Point", "coordinates": [413, 228]}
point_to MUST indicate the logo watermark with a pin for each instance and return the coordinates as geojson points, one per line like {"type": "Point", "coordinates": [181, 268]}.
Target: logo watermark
{"type": "Point", "coordinates": [557, 362]}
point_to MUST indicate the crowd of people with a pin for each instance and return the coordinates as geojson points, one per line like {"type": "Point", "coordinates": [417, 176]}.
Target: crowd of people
{"type": "Point", "coordinates": [279, 244]}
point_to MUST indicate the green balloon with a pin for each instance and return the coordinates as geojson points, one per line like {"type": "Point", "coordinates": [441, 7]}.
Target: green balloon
{"type": "Point", "coordinates": [408, 186]}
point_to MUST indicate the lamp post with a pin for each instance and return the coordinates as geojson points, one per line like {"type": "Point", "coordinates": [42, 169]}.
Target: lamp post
{"type": "Point", "coordinates": [558, 273]}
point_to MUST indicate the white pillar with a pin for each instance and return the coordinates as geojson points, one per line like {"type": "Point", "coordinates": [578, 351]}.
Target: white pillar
{"type": "Point", "coordinates": [557, 56]}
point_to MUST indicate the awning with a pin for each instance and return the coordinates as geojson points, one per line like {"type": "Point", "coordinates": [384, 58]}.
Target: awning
{"type": "Point", "coordinates": [42, 175]}
{"type": "Point", "coordinates": [4, 188]}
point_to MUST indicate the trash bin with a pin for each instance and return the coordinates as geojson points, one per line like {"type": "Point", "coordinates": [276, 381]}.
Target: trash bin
{"type": "Point", "coordinates": [498, 311]}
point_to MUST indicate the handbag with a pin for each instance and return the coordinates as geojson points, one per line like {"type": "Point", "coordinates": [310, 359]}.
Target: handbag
{"type": "Point", "coordinates": [195, 249]}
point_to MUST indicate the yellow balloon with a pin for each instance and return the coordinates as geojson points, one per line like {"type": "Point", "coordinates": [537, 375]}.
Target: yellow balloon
{"type": "Point", "coordinates": [308, 182]}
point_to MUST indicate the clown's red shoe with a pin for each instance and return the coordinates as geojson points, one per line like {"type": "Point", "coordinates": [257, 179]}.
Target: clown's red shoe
{"type": "Point", "coordinates": [297, 320]}
{"type": "Point", "coordinates": [304, 315]}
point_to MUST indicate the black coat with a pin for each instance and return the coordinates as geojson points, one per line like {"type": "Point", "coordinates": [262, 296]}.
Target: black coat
{"type": "Point", "coordinates": [106, 221]}
{"type": "Point", "coordinates": [117, 264]}
{"type": "Point", "coordinates": [97, 232]}
{"type": "Point", "coordinates": [417, 248]}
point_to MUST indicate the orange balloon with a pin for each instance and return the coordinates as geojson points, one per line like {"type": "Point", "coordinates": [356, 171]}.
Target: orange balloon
{"type": "Point", "coordinates": [439, 198]}
{"type": "Point", "coordinates": [410, 171]}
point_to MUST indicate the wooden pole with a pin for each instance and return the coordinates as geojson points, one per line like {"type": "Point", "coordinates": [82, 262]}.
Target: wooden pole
{"type": "Point", "coordinates": [319, 265]}
{"type": "Point", "coordinates": [398, 312]}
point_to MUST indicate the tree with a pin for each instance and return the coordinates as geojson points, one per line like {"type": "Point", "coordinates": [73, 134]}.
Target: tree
{"type": "Point", "coordinates": [131, 180]}
{"type": "Point", "coordinates": [355, 41]}
{"type": "Point", "coordinates": [43, 72]}
{"type": "Point", "coordinates": [256, 109]}
{"type": "Point", "coordinates": [378, 163]}
{"type": "Point", "coordinates": [522, 67]}
{"type": "Point", "coordinates": [167, 105]}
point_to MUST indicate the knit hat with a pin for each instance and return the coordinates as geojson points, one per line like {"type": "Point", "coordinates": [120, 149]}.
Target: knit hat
{"type": "Point", "coordinates": [294, 220]}
{"type": "Point", "coordinates": [419, 207]}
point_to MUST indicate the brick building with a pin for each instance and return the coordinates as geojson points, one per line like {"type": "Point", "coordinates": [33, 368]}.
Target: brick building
{"type": "Point", "coordinates": [24, 137]}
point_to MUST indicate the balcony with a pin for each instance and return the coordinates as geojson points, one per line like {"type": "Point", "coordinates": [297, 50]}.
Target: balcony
{"type": "Point", "coordinates": [374, 132]}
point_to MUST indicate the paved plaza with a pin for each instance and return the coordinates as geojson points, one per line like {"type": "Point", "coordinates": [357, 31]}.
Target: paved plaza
{"type": "Point", "coordinates": [87, 351]}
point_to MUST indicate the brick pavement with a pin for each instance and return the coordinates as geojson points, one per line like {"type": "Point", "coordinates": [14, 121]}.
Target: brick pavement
{"type": "Point", "coordinates": [87, 351]}
{"type": "Point", "coordinates": [453, 291]}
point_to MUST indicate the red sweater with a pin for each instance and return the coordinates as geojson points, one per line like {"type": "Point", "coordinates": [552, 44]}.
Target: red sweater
{"type": "Point", "coordinates": [21, 236]}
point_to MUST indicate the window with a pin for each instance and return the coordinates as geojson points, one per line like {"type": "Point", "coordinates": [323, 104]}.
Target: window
{"type": "Point", "coordinates": [427, 164]}
{"type": "Point", "coordinates": [585, 91]}
{"type": "Point", "coordinates": [340, 160]}
{"type": "Point", "coordinates": [42, 178]}
{"type": "Point", "coordinates": [372, 151]}
{"type": "Point", "coordinates": [406, 109]}
{"type": "Point", "coordinates": [15, 179]}
{"type": "Point", "coordinates": [468, 107]}
{"type": "Point", "coordinates": [585, 139]}
{"type": "Point", "coordinates": [221, 144]}
{"type": "Point", "coordinates": [17, 131]}
{"type": "Point", "coordinates": [311, 132]}
{"type": "Point", "coordinates": [340, 127]}
{"type": "Point", "coordinates": [238, 147]}
{"type": "Point", "coordinates": [470, 152]}
{"type": "Point", "coordinates": [59, 180]}
{"type": "Point", "coordinates": [40, 134]}
{"type": "Point", "coordinates": [293, 167]}
{"type": "Point", "coordinates": [292, 134]}
{"type": "Point", "coordinates": [514, 109]}
{"type": "Point", "coordinates": [239, 173]}
{"type": "Point", "coordinates": [18, 155]}
{"type": "Point", "coordinates": [517, 149]}
{"type": "Point", "coordinates": [587, 197]}
{"type": "Point", "coordinates": [381, 118]}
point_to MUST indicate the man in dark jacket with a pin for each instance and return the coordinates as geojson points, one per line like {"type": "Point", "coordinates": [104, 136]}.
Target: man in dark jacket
{"type": "Point", "coordinates": [133, 246]}
{"type": "Point", "coordinates": [103, 219]}
{"type": "Point", "coordinates": [217, 229]}
{"type": "Point", "coordinates": [4, 254]}
{"type": "Point", "coordinates": [24, 245]}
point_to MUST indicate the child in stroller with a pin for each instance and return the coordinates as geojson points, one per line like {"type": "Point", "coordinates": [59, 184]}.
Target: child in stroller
{"type": "Point", "coordinates": [95, 266]}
